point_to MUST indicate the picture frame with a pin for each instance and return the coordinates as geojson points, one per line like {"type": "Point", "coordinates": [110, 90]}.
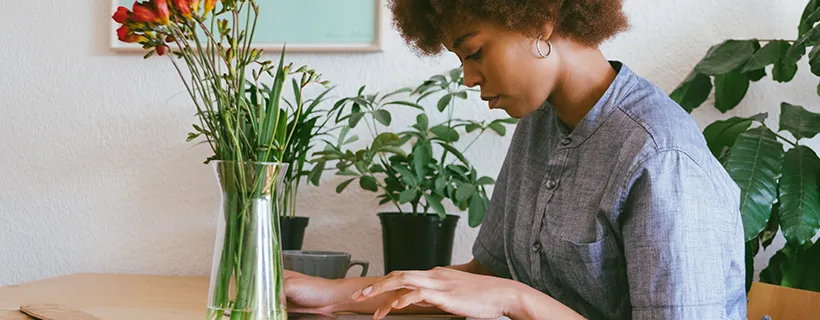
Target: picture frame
{"type": "Point", "coordinates": [310, 26]}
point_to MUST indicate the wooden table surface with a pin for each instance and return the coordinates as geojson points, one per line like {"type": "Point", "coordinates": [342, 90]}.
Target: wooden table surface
{"type": "Point", "coordinates": [124, 297]}
{"type": "Point", "coordinates": [132, 297]}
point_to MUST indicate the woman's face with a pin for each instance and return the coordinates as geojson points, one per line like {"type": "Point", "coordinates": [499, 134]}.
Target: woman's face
{"type": "Point", "coordinates": [507, 67]}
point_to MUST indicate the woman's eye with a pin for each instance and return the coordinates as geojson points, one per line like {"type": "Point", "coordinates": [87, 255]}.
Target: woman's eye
{"type": "Point", "coordinates": [475, 55]}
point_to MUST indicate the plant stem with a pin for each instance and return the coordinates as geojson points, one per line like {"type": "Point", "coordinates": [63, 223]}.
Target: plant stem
{"type": "Point", "coordinates": [784, 139]}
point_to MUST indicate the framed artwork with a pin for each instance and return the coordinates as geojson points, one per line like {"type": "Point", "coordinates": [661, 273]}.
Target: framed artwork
{"type": "Point", "coordinates": [304, 26]}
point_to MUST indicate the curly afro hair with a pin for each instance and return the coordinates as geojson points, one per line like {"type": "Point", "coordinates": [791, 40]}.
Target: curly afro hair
{"type": "Point", "coordinates": [426, 24]}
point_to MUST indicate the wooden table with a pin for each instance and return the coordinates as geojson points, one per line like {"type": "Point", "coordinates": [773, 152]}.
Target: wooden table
{"type": "Point", "coordinates": [133, 297]}
{"type": "Point", "coordinates": [125, 297]}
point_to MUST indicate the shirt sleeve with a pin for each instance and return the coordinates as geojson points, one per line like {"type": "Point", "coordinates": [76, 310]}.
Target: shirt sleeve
{"type": "Point", "coordinates": [488, 248]}
{"type": "Point", "coordinates": [679, 237]}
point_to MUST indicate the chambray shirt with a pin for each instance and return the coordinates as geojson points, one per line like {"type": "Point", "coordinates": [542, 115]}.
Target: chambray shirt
{"type": "Point", "coordinates": [627, 216]}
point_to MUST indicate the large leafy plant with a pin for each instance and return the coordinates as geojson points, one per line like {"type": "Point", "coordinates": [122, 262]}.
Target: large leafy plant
{"type": "Point", "coordinates": [778, 176]}
{"type": "Point", "coordinates": [422, 166]}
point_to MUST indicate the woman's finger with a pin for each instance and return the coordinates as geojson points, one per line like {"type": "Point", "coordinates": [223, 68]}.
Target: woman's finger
{"type": "Point", "coordinates": [398, 280]}
{"type": "Point", "coordinates": [414, 297]}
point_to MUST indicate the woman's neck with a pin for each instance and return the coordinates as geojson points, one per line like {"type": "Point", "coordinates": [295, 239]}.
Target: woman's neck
{"type": "Point", "coordinates": [584, 77]}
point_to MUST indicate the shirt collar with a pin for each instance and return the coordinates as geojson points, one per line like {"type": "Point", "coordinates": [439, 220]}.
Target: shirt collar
{"type": "Point", "coordinates": [615, 93]}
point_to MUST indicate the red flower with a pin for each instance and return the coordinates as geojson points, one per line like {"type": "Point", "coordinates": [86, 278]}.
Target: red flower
{"type": "Point", "coordinates": [183, 7]}
{"type": "Point", "coordinates": [209, 6]}
{"type": "Point", "coordinates": [121, 15]}
{"type": "Point", "coordinates": [122, 33]}
{"type": "Point", "coordinates": [153, 11]}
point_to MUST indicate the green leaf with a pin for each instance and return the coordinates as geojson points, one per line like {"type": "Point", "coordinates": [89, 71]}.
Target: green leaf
{"type": "Point", "coordinates": [723, 133]}
{"type": "Point", "coordinates": [769, 54]}
{"type": "Point", "coordinates": [754, 163]}
{"type": "Point", "coordinates": [407, 104]}
{"type": "Point", "coordinates": [693, 91]}
{"type": "Point", "coordinates": [444, 101]}
{"type": "Point", "coordinates": [461, 94]}
{"type": "Point", "coordinates": [726, 57]}
{"type": "Point", "coordinates": [498, 128]}
{"type": "Point", "coordinates": [434, 202]}
{"type": "Point", "coordinates": [799, 195]}
{"type": "Point", "coordinates": [423, 122]}
{"type": "Point", "coordinates": [421, 157]}
{"type": "Point", "coordinates": [809, 39]}
{"type": "Point", "coordinates": [369, 183]}
{"type": "Point", "coordinates": [485, 181]}
{"type": "Point", "coordinates": [343, 185]}
{"type": "Point", "coordinates": [454, 151]}
{"type": "Point", "coordinates": [478, 207]}
{"type": "Point", "coordinates": [472, 127]}
{"type": "Point", "coordinates": [408, 195]}
{"type": "Point", "coordinates": [464, 192]}
{"type": "Point", "coordinates": [798, 121]}
{"type": "Point", "coordinates": [440, 184]}
{"type": "Point", "coordinates": [446, 133]}
{"type": "Point", "coordinates": [384, 139]}
{"type": "Point", "coordinates": [383, 117]}
{"type": "Point", "coordinates": [407, 176]}
{"type": "Point", "coordinates": [455, 73]}
{"type": "Point", "coordinates": [439, 78]}
{"type": "Point", "coordinates": [785, 69]}
{"type": "Point", "coordinates": [316, 173]}
{"type": "Point", "coordinates": [755, 74]}
{"type": "Point", "coordinates": [804, 25]}
{"type": "Point", "coordinates": [814, 60]}
{"type": "Point", "coordinates": [355, 118]}
{"type": "Point", "coordinates": [767, 236]}
{"type": "Point", "coordinates": [376, 168]}
{"type": "Point", "coordinates": [730, 89]}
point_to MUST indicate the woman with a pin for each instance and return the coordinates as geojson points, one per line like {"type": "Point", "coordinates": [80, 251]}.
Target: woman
{"type": "Point", "coordinates": [609, 204]}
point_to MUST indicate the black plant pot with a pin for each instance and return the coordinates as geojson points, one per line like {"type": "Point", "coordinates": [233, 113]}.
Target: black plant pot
{"type": "Point", "coordinates": [417, 242]}
{"type": "Point", "coordinates": [293, 232]}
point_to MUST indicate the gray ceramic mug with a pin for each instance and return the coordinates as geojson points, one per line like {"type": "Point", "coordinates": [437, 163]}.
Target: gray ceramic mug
{"type": "Point", "coordinates": [324, 264]}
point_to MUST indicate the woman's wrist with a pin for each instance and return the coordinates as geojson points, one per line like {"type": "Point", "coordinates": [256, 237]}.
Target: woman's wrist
{"type": "Point", "coordinates": [527, 303]}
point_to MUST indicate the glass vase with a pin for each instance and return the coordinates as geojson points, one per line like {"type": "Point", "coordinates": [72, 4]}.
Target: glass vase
{"type": "Point", "coordinates": [247, 280]}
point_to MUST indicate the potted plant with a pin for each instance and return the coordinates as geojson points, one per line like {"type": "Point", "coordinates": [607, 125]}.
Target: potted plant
{"type": "Point", "coordinates": [415, 170]}
{"type": "Point", "coordinates": [779, 176]}
{"type": "Point", "coordinates": [309, 126]}
{"type": "Point", "coordinates": [238, 98]}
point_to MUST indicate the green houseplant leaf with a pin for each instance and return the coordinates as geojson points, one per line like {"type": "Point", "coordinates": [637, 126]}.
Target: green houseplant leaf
{"type": "Point", "coordinates": [723, 133]}
{"type": "Point", "coordinates": [799, 195]}
{"type": "Point", "coordinates": [754, 163]}
{"type": "Point", "coordinates": [798, 121]}
{"type": "Point", "coordinates": [726, 57]}
{"type": "Point", "coordinates": [383, 117]}
{"type": "Point", "coordinates": [730, 89]}
{"type": "Point", "coordinates": [693, 92]}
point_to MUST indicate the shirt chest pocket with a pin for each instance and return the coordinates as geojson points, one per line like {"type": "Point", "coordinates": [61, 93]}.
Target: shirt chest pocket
{"type": "Point", "coordinates": [595, 271]}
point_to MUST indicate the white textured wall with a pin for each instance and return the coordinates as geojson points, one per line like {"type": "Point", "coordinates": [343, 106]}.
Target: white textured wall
{"type": "Point", "coordinates": [96, 175]}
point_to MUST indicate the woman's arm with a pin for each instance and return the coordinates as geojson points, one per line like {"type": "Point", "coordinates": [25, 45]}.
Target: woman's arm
{"type": "Point", "coordinates": [312, 294]}
{"type": "Point", "coordinates": [533, 304]}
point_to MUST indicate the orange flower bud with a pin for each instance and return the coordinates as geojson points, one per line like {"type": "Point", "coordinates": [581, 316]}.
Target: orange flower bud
{"type": "Point", "coordinates": [162, 11]}
{"type": "Point", "coordinates": [170, 39]}
{"type": "Point", "coordinates": [125, 35]}
{"type": "Point", "coordinates": [121, 15]}
{"type": "Point", "coordinates": [194, 5]}
{"type": "Point", "coordinates": [209, 6]}
{"type": "Point", "coordinates": [122, 33]}
{"type": "Point", "coordinates": [161, 49]}
{"type": "Point", "coordinates": [183, 7]}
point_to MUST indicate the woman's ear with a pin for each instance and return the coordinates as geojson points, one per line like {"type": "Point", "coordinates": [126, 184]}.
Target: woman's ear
{"type": "Point", "coordinates": [547, 30]}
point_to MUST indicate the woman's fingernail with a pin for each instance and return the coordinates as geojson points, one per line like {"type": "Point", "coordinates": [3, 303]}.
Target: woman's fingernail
{"type": "Point", "coordinates": [376, 315]}
{"type": "Point", "coordinates": [395, 303]}
{"type": "Point", "coordinates": [357, 294]}
{"type": "Point", "coordinates": [367, 290]}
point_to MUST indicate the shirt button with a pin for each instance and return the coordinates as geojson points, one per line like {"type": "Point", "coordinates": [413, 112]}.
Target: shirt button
{"type": "Point", "coordinates": [536, 247]}
{"type": "Point", "coordinates": [551, 184]}
{"type": "Point", "coordinates": [566, 141]}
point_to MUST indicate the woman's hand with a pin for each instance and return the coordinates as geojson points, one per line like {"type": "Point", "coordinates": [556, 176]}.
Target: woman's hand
{"type": "Point", "coordinates": [456, 292]}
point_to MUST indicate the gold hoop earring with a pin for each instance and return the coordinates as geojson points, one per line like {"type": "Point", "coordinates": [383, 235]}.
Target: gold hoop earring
{"type": "Point", "coordinates": [538, 47]}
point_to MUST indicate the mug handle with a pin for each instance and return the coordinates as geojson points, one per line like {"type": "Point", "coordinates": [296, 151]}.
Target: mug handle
{"type": "Point", "coordinates": [364, 264]}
